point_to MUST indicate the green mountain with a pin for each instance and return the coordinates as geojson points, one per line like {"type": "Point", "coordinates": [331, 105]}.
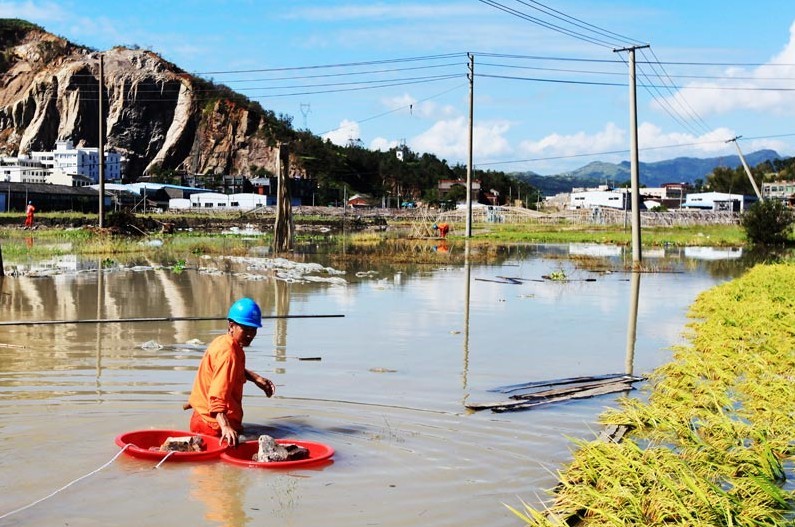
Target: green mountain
{"type": "Point", "coordinates": [678, 170]}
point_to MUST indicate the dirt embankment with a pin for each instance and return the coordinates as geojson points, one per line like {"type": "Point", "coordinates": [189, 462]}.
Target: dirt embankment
{"type": "Point", "coordinates": [322, 219]}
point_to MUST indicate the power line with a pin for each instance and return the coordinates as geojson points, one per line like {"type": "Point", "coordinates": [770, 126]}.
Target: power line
{"type": "Point", "coordinates": [548, 25]}
{"type": "Point", "coordinates": [577, 22]}
{"type": "Point", "coordinates": [679, 96]}
{"type": "Point", "coordinates": [405, 106]}
{"type": "Point", "coordinates": [338, 65]}
{"type": "Point", "coordinates": [626, 150]}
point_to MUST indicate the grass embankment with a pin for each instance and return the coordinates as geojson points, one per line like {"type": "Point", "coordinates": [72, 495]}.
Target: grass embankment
{"type": "Point", "coordinates": [711, 445]}
{"type": "Point", "coordinates": [701, 235]}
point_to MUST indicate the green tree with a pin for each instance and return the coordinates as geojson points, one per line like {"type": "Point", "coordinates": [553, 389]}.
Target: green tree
{"type": "Point", "coordinates": [768, 222]}
{"type": "Point", "coordinates": [457, 193]}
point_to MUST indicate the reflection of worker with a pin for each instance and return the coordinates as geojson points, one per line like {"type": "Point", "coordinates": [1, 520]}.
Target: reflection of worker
{"type": "Point", "coordinates": [217, 395]}
{"type": "Point", "coordinates": [222, 492]}
{"type": "Point", "coordinates": [443, 228]}
{"type": "Point", "coordinates": [29, 210]}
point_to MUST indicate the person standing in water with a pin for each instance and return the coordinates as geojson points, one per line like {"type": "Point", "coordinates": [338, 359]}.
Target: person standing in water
{"type": "Point", "coordinates": [29, 210]}
{"type": "Point", "coordinates": [217, 395]}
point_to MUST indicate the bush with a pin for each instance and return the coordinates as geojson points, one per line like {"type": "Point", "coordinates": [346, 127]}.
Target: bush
{"type": "Point", "coordinates": [768, 222]}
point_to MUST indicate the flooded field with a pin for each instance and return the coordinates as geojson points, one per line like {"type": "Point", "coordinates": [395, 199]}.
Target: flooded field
{"type": "Point", "coordinates": [385, 384]}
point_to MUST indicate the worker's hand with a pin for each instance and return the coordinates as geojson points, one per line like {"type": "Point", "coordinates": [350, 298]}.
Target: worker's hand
{"type": "Point", "coordinates": [265, 385]}
{"type": "Point", "coordinates": [229, 435]}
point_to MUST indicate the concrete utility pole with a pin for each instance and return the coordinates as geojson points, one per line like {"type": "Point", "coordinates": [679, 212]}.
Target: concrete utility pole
{"type": "Point", "coordinates": [101, 149]}
{"type": "Point", "coordinates": [471, 76]}
{"type": "Point", "coordinates": [745, 166]}
{"type": "Point", "coordinates": [633, 153]}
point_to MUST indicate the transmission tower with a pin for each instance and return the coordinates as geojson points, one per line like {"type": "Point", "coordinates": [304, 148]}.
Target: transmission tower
{"type": "Point", "coordinates": [305, 110]}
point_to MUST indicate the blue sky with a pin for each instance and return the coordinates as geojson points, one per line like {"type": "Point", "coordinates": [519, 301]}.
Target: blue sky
{"type": "Point", "coordinates": [393, 72]}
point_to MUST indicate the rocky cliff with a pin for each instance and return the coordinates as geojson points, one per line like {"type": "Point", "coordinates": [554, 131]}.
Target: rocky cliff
{"type": "Point", "coordinates": [157, 115]}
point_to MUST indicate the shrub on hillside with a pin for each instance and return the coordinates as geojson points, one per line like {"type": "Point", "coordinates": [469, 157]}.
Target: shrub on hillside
{"type": "Point", "coordinates": [768, 222]}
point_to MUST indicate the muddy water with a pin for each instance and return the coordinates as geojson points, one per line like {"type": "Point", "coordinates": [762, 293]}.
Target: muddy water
{"type": "Point", "coordinates": [414, 346]}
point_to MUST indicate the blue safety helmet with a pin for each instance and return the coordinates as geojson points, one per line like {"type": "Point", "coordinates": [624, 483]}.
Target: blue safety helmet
{"type": "Point", "coordinates": [245, 312]}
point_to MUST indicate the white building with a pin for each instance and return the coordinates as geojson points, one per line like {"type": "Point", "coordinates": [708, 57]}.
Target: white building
{"type": "Point", "coordinates": [614, 199]}
{"type": "Point", "coordinates": [778, 189]}
{"type": "Point", "coordinates": [23, 170]}
{"type": "Point", "coordinates": [83, 161]}
{"type": "Point", "coordinates": [718, 201]}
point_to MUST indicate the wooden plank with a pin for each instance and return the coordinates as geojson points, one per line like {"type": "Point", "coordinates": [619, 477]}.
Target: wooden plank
{"type": "Point", "coordinates": [593, 392]}
{"type": "Point", "coordinates": [555, 395]}
{"type": "Point", "coordinates": [555, 382]}
{"type": "Point", "coordinates": [553, 392]}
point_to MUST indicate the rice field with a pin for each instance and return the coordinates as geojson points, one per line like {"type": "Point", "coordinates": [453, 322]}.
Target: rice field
{"type": "Point", "coordinates": [714, 442]}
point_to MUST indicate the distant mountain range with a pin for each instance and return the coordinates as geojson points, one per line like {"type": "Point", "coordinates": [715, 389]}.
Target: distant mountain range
{"type": "Point", "coordinates": [678, 170]}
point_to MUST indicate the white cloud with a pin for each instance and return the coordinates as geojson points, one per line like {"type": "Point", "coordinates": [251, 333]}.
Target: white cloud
{"type": "Point", "coordinates": [757, 93]}
{"type": "Point", "coordinates": [448, 139]}
{"type": "Point", "coordinates": [383, 144]}
{"type": "Point", "coordinates": [609, 139]}
{"type": "Point", "coordinates": [38, 12]}
{"type": "Point", "coordinates": [346, 132]}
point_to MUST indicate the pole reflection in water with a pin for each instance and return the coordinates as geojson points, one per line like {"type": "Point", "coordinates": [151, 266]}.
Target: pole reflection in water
{"type": "Point", "coordinates": [467, 281]}
{"type": "Point", "coordinates": [282, 300]}
{"type": "Point", "coordinates": [632, 322]}
{"type": "Point", "coordinates": [100, 301]}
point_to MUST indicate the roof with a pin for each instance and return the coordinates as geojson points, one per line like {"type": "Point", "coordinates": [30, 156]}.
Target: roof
{"type": "Point", "coordinates": [46, 188]}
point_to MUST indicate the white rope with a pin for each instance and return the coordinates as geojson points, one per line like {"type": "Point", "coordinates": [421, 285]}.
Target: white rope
{"type": "Point", "coordinates": [165, 458]}
{"type": "Point", "coordinates": [66, 486]}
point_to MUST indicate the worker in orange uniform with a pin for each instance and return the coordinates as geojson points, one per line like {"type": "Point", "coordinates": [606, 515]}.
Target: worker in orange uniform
{"type": "Point", "coordinates": [217, 395]}
{"type": "Point", "coordinates": [29, 210]}
{"type": "Point", "coordinates": [443, 228]}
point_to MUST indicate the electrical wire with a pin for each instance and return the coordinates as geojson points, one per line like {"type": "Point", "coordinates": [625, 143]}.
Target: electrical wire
{"type": "Point", "coordinates": [577, 22]}
{"type": "Point", "coordinates": [626, 150]}
{"type": "Point", "coordinates": [548, 25]}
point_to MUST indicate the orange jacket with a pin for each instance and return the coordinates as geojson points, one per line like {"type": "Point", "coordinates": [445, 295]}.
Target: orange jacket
{"type": "Point", "coordinates": [218, 386]}
{"type": "Point", "coordinates": [30, 210]}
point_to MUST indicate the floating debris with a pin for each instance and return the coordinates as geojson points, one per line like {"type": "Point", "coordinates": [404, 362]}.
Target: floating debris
{"type": "Point", "coordinates": [151, 345]}
{"type": "Point", "coordinates": [558, 390]}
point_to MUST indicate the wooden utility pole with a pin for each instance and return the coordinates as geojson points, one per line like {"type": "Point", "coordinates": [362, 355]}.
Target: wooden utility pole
{"type": "Point", "coordinates": [283, 228]}
{"type": "Point", "coordinates": [745, 166]}
{"type": "Point", "coordinates": [101, 148]}
{"type": "Point", "coordinates": [471, 76]}
{"type": "Point", "coordinates": [633, 153]}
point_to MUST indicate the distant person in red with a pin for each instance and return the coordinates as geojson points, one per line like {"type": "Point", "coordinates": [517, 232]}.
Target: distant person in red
{"type": "Point", "coordinates": [29, 210]}
{"type": "Point", "coordinates": [443, 229]}
{"type": "Point", "coordinates": [217, 395]}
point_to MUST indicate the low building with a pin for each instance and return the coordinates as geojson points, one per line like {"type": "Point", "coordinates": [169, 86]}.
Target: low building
{"type": "Point", "coordinates": [444, 187]}
{"type": "Point", "coordinates": [783, 190]}
{"type": "Point", "coordinates": [717, 201]}
{"type": "Point", "coordinates": [588, 199]}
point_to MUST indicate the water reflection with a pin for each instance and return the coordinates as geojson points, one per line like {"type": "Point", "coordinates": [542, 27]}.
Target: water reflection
{"type": "Point", "coordinates": [467, 287]}
{"type": "Point", "coordinates": [222, 492]}
{"type": "Point", "coordinates": [387, 394]}
{"type": "Point", "coordinates": [632, 323]}
{"type": "Point", "coordinates": [282, 308]}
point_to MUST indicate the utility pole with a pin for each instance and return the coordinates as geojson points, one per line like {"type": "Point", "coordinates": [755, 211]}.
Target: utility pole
{"type": "Point", "coordinates": [284, 227]}
{"type": "Point", "coordinates": [745, 166]}
{"type": "Point", "coordinates": [101, 148]}
{"type": "Point", "coordinates": [471, 76]}
{"type": "Point", "coordinates": [633, 153]}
